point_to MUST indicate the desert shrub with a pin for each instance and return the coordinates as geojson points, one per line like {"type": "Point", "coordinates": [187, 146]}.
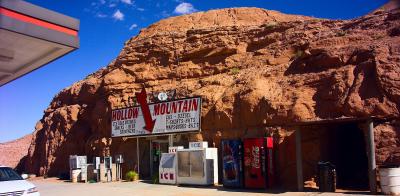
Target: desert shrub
{"type": "Point", "coordinates": [271, 24]}
{"type": "Point", "coordinates": [131, 175]}
{"type": "Point", "coordinates": [155, 179]}
{"type": "Point", "coordinates": [297, 54]}
{"type": "Point", "coordinates": [341, 33]}
{"type": "Point", "coordinates": [235, 71]}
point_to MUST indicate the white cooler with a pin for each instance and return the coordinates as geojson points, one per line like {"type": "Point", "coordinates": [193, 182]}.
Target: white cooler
{"type": "Point", "coordinates": [197, 165]}
{"type": "Point", "coordinates": [168, 166]}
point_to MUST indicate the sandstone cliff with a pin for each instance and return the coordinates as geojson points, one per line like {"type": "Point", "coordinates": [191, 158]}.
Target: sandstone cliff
{"type": "Point", "coordinates": [14, 152]}
{"type": "Point", "coordinates": [252, 67]}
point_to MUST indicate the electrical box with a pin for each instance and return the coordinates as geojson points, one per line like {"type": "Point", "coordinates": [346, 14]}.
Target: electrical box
{"type": "Point", "coordinates": [107, 175]}
{"type": "Point", "coordinates": [119, 159]}
{"type": "Point", "coordinates": [77, 162]}
{"type": "Point", "coordinates": [96, 163]}
{"type": "Point", "coordinates": [108, 162]}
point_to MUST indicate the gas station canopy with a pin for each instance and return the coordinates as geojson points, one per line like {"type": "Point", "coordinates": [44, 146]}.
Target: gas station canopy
{"type": "Point", "coordinates": [31, 36]}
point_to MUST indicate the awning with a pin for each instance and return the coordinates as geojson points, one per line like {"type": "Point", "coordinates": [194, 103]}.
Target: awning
{"type": "Point", "coordinates": [31, 37]}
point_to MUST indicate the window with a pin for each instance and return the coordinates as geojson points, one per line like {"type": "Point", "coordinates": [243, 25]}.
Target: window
{"type": "Point", "coordinates": [7, 174]}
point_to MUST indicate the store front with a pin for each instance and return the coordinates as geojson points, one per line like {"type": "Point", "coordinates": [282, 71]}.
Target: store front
{"type": "Point", "coordinates": [294, 149]}
{"type": "Point", "coordinates": [154, 127]}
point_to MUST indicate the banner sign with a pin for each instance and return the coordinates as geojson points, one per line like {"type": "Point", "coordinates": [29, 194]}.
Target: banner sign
{"type": "Point", "coordinates": [175, 116]}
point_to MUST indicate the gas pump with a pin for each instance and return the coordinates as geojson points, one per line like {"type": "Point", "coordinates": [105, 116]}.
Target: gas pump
{"type": "Point", "coordinates": [118, 162]}
{"type": "Point", "coordinates": [108, 167]}
{"type": "Point", "coordinates": [96, 168]}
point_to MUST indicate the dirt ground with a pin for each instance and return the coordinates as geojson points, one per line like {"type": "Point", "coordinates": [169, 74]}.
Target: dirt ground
{"type": "Point", "coordinates": [51, 187]}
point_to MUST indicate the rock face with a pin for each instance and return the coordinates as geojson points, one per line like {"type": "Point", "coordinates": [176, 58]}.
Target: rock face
{"type": "Point", "coordinates": [253, 68]}
{"type": "Point", "coordinates": [14, 152]}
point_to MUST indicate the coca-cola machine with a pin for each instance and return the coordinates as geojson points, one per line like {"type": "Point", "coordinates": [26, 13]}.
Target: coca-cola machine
{"type": "Point", "coordinates": [232, 163]}
{"type": "Point", "coordinates": [258, 162]}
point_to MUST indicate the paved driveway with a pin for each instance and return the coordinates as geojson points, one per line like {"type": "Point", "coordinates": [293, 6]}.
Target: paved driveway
{"type": "Point", "coordinates": [51, 187]}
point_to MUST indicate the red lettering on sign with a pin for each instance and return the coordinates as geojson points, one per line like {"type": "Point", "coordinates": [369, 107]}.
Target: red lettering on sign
{"type": "Point", "coordinates": [180, 105]}
{"type": "Point", "coordinates": [174, 106]}
{"type": "Point", "coordinates": [156, 109]}
{"type": "Point", "coordinates": [195, 104]}
{"type": "Point", "coordinates": [119, 115]}
{"type": "Point", "coordinates": [185, 106]}
{"type": "Point", "coordinates": [114, 115]}
{"type": "Point", "coordinates": [135, 112]}
{"type": "Point", "coordinates": [171, 176]}
{"type": "Point", "coordinates": [189, 105]}
{"type": "Point", "coordinates": [162, 108]}
{"type": "Point", "coordinates": [168, 110]}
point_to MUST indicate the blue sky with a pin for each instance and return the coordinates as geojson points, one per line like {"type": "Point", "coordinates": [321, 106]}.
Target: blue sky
{"type": "Point", "coordinates": [106, 25]}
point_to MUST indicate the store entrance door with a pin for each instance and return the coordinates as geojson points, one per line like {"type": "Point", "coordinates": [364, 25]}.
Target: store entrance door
{"type": "Point", "coordinates": [157, 147]}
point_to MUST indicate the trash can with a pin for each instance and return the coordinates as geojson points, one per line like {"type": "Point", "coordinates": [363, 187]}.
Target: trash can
{"type": "Point", "coordinates": [326, 177]}
{"type": "Point", "coordinates": [76, 175]}
{"type": "Point", "coordinates": [390, 179]}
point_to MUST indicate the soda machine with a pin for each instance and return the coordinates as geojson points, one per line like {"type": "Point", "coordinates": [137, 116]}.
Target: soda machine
{"type": "Point", "coordinates": [232, 152]}
{"type": "Point", "coordinates": [258, 162]}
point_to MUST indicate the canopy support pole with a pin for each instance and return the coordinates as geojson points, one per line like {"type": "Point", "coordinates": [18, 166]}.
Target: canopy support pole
{"type": "Point", "coordinates": [371, 157]}
{"type": "Point", "coordinates": [170, 140]}
{"type": "Point", "coordinates": [299, 164]}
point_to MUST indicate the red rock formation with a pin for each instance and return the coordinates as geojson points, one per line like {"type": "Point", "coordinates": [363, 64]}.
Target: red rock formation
{"type": "Point", "coordinates": [12, 152]}
{"type": "Point", "coordinates": [252, 67]}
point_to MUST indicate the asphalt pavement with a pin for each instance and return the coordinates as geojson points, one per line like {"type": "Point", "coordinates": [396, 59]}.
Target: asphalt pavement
{"type": "Point", "coordinates": [51, 187]}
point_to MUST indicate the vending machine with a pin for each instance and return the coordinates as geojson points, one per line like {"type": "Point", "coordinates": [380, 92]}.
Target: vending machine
{"type": "Point", "coordinates": [168, 166]}
{"type": "Point", "coordinates": [197, 165]}
{"type": "Point", "coordinates": [232, 163]}
{"type": "Point", "coordinates": [258, 163]}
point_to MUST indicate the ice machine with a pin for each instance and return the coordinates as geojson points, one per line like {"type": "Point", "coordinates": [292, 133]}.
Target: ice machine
{"type": "Point", "coordinates": [168, 166]}
{"type": "Point", "coordinates": [197, 165]}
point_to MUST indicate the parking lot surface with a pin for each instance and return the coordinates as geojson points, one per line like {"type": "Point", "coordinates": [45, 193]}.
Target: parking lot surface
{"type": "Point", "coordinates": [51, 187]}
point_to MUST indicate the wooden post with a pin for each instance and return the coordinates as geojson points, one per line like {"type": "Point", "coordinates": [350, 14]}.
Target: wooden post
{"type": "Point", "coordinates": [371, 157]}
{"type": "Point", "coordinates": [299, 164]}
{"type": "Point", "coordinates": [137, 156]}
{"type": "Point", "coordinates": [170, 140]}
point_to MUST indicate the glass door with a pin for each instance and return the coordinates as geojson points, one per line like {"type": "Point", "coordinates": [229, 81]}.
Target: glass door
{"type": "Point", "coordinates": [183, 164]}
{"type": "Point", "coordinates": [157, 148]}
{"type": "Point", "coordinates": [196, 164]}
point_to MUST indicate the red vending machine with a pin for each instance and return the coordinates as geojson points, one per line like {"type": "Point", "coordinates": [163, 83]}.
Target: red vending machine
{"type": "Point", "coordinates": [258, 162]}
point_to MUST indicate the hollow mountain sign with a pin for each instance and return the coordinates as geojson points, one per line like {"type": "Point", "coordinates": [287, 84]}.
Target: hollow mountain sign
{"type": "Point", "coordinates": [181, 115]}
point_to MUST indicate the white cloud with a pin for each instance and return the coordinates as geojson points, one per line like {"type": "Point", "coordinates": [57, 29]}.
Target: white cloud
{"type": "Point", "coordinates": [118, 15]}
{"type": "Point", "coordinates": [132, 27]}
{"type": "Point", "coordinates": [100, 15]}
{"type": "Point", "coordinates": [140, 9]}
{"type": "Point", "coordinates": [184, 8]}
{"type": "Point", "coordinates": [102, 1]}
{"type": "Point", "coordinates": [165, 14]}
{"type": "Point", "coordinates": [129, 2]}
{"type": "Point", "coordinates": [112, 5]}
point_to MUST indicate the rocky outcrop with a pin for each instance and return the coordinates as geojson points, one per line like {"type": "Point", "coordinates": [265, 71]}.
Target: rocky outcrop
{"type": "Point", "coordinates": [252, 68]}
{"type": "Point", "coordinates": [14, 152]}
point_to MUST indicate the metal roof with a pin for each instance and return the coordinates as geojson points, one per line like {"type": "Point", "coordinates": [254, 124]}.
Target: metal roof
{"type": "Point", "coordinates": [31, 37]}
